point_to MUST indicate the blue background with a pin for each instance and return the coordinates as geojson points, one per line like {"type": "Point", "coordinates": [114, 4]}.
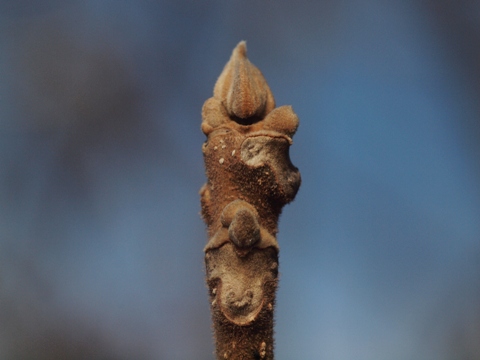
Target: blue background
{"type": "Point", "coordinates": [100, 166]}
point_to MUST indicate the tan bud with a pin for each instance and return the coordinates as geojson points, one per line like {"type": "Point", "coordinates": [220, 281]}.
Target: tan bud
{"type": "Point", "coordinates": [242, 89]}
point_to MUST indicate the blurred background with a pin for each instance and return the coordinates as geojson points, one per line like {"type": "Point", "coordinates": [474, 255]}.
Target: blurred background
{"type": "Point", "coordinates": [100, 166]}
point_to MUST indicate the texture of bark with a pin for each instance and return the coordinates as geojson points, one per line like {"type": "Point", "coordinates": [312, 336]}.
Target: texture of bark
{"type": "Point", "coordinates": [249, 179]}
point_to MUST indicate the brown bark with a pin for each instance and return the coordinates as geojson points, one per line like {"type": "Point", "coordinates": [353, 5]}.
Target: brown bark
{"type": "Point", "coordinates": [249, 179]}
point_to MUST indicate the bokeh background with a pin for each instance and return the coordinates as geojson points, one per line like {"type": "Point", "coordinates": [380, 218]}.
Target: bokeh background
{"type": "Point", "coordinates": [100, 166]}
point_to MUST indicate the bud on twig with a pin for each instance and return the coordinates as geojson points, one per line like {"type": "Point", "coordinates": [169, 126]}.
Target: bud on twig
{"type": "Point", "coordinates": [250, 178]}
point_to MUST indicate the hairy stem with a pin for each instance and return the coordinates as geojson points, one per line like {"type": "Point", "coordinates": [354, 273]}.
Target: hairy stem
{"type": "Point", "coordinates": [249, 179]}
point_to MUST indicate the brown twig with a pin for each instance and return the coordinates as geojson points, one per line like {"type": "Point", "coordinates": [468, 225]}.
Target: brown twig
{"type": "Point", "coordinates": [250, 178]}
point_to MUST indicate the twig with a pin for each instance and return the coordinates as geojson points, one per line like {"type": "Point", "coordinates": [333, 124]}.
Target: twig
{"type": "Point", "coordinates": [250, 178]}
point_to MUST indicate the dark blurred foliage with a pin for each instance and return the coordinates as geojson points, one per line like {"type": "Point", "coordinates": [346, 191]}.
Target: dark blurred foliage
{"type": "Point", "coordinates": [100, 166]}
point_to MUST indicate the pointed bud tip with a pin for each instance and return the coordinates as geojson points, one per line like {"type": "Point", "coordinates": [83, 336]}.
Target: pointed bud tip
{"type": "Point", "coordinates": [242, 88]}
{"type": "Point", "coordinates": [241, 49]}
